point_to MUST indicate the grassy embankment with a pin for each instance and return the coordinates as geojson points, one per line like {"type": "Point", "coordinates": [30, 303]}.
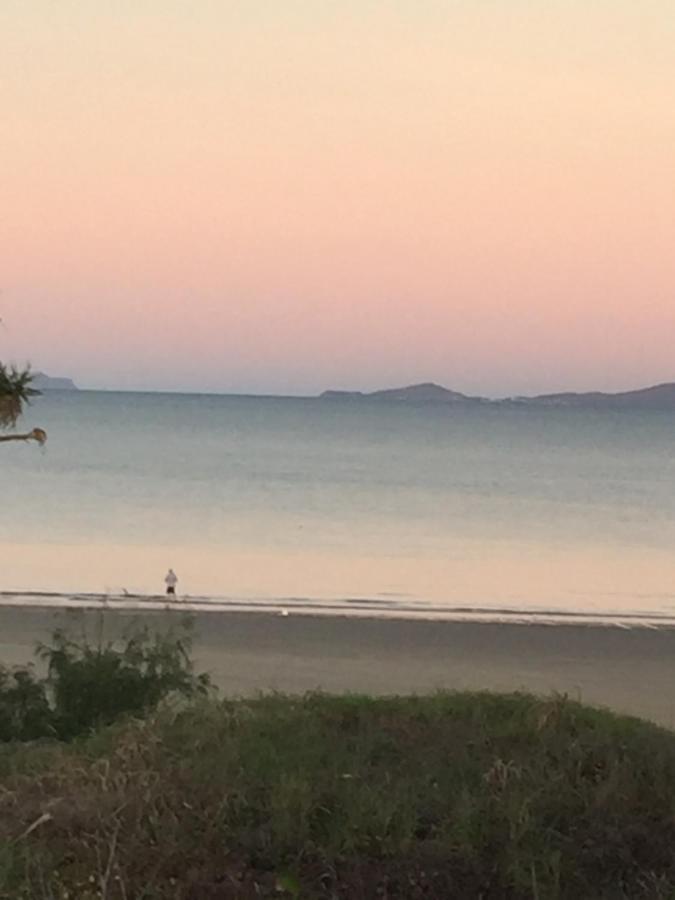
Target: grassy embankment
{"type": "Point", "coordinates": [455, 795]}
{"type": "Point", "coordinates": [122, 777]}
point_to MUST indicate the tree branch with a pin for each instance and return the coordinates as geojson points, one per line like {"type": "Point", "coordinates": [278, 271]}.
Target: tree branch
{"type": "Point", "coordinates": [37, 434]}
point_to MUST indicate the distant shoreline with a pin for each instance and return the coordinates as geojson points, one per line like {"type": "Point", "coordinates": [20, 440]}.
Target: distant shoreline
{"type": "Point", "coordinates": [660, 397]}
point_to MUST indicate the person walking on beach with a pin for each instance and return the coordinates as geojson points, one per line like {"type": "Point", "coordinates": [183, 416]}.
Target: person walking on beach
{"type": "Point", "coordinates": [171, 581]}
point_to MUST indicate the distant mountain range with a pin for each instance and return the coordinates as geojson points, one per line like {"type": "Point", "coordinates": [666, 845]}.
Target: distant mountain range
{"type": "Point", "coordinates": [660, 396]}
{"type": "Point", "coordinates": [42, 382]}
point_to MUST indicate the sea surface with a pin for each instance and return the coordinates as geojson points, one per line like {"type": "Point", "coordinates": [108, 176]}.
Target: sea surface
{"type": "Point", "coordinates": [338, 506]}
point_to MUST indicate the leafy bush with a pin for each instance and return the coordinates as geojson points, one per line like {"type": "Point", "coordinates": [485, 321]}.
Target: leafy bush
{"type": "Point", "coordinates": [25, 713]}
{"type": "Point", "coordinates": [93, 684]}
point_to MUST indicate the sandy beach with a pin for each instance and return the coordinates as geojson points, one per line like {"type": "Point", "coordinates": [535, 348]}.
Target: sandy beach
{"type": "Point", "coordinates": [629, 670]}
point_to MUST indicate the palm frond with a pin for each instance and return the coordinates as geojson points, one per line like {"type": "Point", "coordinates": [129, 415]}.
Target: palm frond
{"type": "Point", "coordinates": [15, 393]}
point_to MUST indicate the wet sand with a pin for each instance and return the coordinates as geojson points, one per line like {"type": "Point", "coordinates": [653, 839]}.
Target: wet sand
{"type": "Point", "coordinates": [631, 671]}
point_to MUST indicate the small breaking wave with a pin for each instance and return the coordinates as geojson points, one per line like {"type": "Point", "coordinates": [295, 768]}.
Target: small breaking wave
{"type": "Point", "coordinates": [364, 607]}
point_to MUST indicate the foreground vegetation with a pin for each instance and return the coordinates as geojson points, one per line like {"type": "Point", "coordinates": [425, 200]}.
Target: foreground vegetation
{"type": "Point", "coordinates": [454, 795]}
{"type": "Point", "coordinates": [92, 683]}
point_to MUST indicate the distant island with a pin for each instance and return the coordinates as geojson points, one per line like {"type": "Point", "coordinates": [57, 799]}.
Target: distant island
{"type": "Point", "coordinates": [42, 382]}
{"type": "Point", "coordinates": [660, 396]}
{"type": "Point", "coordinates": [417, 393]}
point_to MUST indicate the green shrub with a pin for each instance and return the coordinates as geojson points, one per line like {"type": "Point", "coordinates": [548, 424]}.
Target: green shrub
{"type": "Point", "coordinates": [94, 685]}
{"type": "Point", "coordinates": [25, 713]}
{"type": "Point", "coordinates": [90, 684]}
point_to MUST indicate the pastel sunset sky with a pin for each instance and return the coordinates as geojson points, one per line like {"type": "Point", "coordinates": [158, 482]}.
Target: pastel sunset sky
{"type": "Point", "coordinates": [287, 195]}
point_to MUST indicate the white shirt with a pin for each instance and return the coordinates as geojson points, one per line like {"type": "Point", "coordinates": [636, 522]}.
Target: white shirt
{"type": "Point", "coordinates": [171, 579]}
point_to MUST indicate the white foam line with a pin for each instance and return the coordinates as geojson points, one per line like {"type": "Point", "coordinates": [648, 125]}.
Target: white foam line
{"type": "Point", "coordinates": [299, 607]}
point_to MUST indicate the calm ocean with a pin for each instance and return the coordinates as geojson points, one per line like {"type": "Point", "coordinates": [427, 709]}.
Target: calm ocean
{"type": "Point", "coordinates": [343, 505]}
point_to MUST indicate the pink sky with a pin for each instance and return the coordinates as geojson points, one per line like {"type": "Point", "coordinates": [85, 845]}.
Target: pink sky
{"type": "Point", "coordinates": [287, 196]}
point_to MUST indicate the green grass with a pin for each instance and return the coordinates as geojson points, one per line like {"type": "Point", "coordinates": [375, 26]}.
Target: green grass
{"type": "Point", "coordinates": [453, 795]}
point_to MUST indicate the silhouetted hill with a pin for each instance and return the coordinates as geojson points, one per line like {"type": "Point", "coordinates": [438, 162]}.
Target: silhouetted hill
{"type": "Point", "coordinates": [42, 382]}
{"type": "Point", "coordinates": [660, 396]}
{"type": "Point", "coordinates": [416, 393]}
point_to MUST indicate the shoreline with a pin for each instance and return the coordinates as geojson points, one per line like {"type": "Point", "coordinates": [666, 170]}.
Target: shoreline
{"type": "Point", "coordinates": [348, 607]}
{"type": "Point", "coordinates": [630, 670]}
